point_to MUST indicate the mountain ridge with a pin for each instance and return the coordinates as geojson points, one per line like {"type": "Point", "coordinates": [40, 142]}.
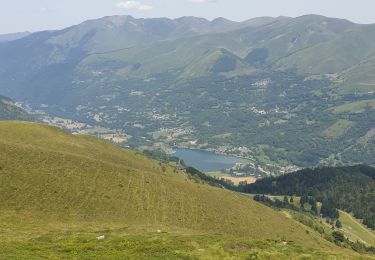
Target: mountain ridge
{"type": "Point", "coordinates": [277, 69]}
{"type": "Point", "coordinates": [13, 36]}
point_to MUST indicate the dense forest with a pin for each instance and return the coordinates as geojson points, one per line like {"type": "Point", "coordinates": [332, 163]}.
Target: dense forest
{"type": "Point", "coordinates": [351, 188]}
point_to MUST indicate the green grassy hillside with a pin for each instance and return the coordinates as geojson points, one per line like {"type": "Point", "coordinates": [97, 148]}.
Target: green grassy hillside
{"type": "Point", "coordinates": [51, 173]}
{"type": "Point", "coordinates": [355, 230]}
{"type": "Point", "coordinates": [59, 191]}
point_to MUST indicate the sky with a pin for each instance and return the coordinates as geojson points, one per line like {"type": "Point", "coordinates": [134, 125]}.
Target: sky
{"type": "Point", "coordinates": [37, 15]}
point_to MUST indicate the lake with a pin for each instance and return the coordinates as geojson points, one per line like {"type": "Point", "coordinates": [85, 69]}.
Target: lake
{"type": "Point", "coordinates": [206, 161]}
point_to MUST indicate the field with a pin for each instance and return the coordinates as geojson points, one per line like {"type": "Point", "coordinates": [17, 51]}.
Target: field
{"type": "Point", "coordinates": [355, 230]}
{"type": "Point", "coordinates": [238, 180]}
{"type": "Point", "coordinates": [235, 180]}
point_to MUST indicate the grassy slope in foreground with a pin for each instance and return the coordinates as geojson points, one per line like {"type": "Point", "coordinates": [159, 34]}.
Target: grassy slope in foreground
{"type": "Point", "coordinates": [53, 184]}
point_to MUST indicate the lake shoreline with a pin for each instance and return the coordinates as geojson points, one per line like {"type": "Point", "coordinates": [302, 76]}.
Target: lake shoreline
{"type": "Point", "coordinates": [206, 161]}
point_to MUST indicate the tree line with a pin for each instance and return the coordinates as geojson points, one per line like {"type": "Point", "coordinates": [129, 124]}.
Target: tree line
{"type": "Point", "coordinates": [350, 188]}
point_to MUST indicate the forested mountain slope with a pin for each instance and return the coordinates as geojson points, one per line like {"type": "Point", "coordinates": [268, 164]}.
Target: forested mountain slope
{"type": "Point", "coordinates": [349, 188]}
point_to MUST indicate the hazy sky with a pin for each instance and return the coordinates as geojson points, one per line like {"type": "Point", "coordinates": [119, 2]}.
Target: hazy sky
{"type": "Point", "coordinates": [36, 15]}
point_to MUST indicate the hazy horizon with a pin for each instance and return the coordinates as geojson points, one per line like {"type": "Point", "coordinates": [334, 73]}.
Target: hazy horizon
{"type": "Point", "coordinates": [39, 15]}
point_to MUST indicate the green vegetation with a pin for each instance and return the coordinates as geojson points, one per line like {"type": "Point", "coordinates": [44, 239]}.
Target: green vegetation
{"type": "Point", "coordinates": [280, 92]}
{"type": "Point", "coordinates": [348, 188]}
{"type": "Point", "coordinates": [338, 129]}
{"type": "Point", "coordinates": [58, 192]}
{"type": "Point", "coordinates": [210, 179]}
{"type": "Point", "coordinates": [120, 244]}
{"type": "Point", "coordinates": [355, 230]}
{"type": "Point", "coordinates": [352, 228]}
{"type": "Point", "coordinates": [85, 178]}
{"type": "Point", "coordinates": [266, 89]}
{"type": "Point", "coordinates": [356, 107]}
{"type": "Point", "coordinates": [350, 235]}
{"type": "Point", "coordinates": [8, 111]}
